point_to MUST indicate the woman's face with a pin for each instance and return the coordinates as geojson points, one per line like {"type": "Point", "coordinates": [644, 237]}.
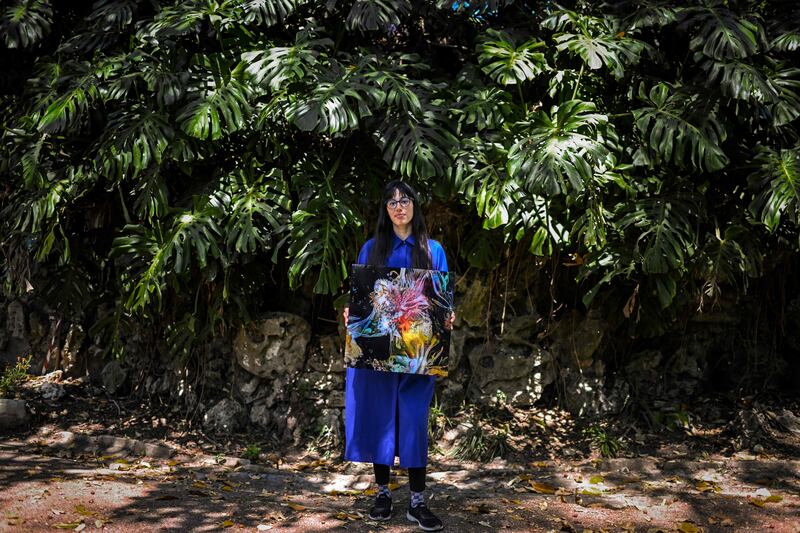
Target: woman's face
{"type": "Point", "coordinates": [400, 208]}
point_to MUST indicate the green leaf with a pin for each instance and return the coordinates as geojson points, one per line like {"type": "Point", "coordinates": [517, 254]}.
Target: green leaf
{"type": "Point", "coordinates": [26, 22]}
{"type": "Point", "coordinates": [507, 63]}
{"type": "Point", "coordinates": [678, 135]}
{"type": "Point", "coordinates": [417, 144]}
{"type": "Point", "coordinates": [556, 152]}
{"type": "Point", "coordinates": [270, 12]}
{"type": "Point", "coordinates": [281, 65]}
{"type": "Point", "coordinates": [371, 15]}
{"type": "Point", "coordinates": [215, 109]}
{"type": "Point", "coordinates": [777, 182]}
{"type": "Point", "coordinates": [721, 33]}
{"type": "Point", "coordinates": [667, 236]}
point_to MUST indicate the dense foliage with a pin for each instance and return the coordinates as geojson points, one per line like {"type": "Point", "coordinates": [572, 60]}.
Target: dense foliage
{"type": "Point", "coordinates": [176, 161]}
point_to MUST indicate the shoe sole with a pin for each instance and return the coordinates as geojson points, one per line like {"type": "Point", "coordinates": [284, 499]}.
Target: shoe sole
{"type": "Point", "coordinates": [381, 518]}
{"type": "Point", "coordinates": [412, 519]}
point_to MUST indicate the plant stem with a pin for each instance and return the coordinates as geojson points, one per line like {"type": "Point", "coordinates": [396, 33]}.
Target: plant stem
{"type": "Point", "coordinates": [577, 83]}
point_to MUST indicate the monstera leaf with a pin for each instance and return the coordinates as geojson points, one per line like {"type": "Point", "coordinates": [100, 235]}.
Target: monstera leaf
{"type": "Point", "coordinates": [647, 13]}
{"type": "Point", "coordinates": [692, 140]}
{"type": "Point", "coordinates": [727, 258]}
{"type": "Point", "coordinates": [150, 254]}
{"type": "Point", "coordinates": [597, 43]}
{"type": "Point", "coordinates": [335, 103]}
{"type": "Point", "coordinates": [741, 80]}
{"type": "Point", "coordinates": [721, 33]}
{"type": "Point", "coordinates": [281, 65]}
{"type": "Point", "coordinates": [777, 182]}
{"type": "Point", "coordinates": [506, 63]}
{"type": "Point", "coordinates": [26, 22]}
{"type": "Point", "coordinates": [137, 138]}
{"type": "Point", "coordinates": [257, 205]}
{"type": "Point", "coordinates": [557, 150]}
{"type": "Point", "coordinates": [417, 144]}
{"type": "Point", "coordinates": [321, 234]}
{"type": "Point", "coordinates": [215, 109]}
{"type": "Point", "coordinates": [370, 15]}
{"type": "Point", "coordinates": [667, 235]}
{"type": "Point", "coordinates": [270, 12]}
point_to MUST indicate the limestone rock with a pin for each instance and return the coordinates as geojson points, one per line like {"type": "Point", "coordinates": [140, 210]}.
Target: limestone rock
{"type": "Point", "coordinates": [113, 376]}
{"type": "Point", "coordinates": [519, 373]}
{"type": "Point", "coordinates": [227, 416]}
{"type": "Point", "coordinates": [586, 395]}
{"type": "Point", "coordinates": [15, 316]}
{"type": "Point", "coordinates": [473, 305]}
{"type": "Point", "coordinates": [273, 346]}
{"type": "Point", "coordinates": [576, 339]}
{"type": "Point", "coordinates": [51, 391]}
{"type": "Point", "coordinates": [12, 413]}
{"type": "Point", "coordinates": [70, 351]}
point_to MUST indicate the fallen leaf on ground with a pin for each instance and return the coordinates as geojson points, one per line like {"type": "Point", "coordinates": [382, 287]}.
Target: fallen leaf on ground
{"type": "Point", "coordinates": [689, 527]}
{"type": "Point", "coordinates": [296, 506]}
{"type": "Point", "coordinates": [542, 488]}
{"type": "Point", "coordinates": [707, 486]}
{"type": "Point", "coordinates": [227, 523]}
{"type": "Point", "coordinates": [342, 515]}
{"type": "Point", "coordinates": [594, 480]}
{"type": "Point", "coordinates": [82, 510]}
{"type": "Point", "coordinates": [69, 525]}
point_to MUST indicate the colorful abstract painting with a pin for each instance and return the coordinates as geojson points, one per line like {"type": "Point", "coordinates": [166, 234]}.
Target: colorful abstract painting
{"type": "Point", "coordinates": [397, 320]}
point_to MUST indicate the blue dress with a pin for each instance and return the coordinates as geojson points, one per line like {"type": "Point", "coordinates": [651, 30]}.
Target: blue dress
{"type": "Point", "coordinates": [386, 413]}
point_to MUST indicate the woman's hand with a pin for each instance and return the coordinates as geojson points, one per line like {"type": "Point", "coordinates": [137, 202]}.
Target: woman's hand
{"type": "Point", "coordinates": [448, 322]}
{"type": "Point", "coordinates": [346, 315]}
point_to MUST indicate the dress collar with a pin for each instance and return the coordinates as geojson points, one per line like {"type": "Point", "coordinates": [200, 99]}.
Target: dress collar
{"type": "Point", "coordinates": [397, 241]}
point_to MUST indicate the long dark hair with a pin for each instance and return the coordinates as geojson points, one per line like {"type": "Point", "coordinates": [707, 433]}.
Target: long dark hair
{"type": "Point", "coordinates": [382, 245]}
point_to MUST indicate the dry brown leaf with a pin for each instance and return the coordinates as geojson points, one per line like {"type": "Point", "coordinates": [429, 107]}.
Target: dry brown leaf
{"type": "Point", "coordinates": [370, 492]}
{"type": "Point", "coordinates": [773, 498]}
{"type": "Point", "coordinates": [69, 525]}
{"type": "Point", "coordinates": [82, 510]}
{"type": "Point", "coordinates": [707, 486]}
{"type": "Point", "coordinates": [727, 522]}
{"type": "Point", "coordinates": [343, 515]}
{"type": "Point", "coordinates": [394, 486]}
{"type": "Point", "coordinates": [227, 523]}
{"type": "Point", "coordinates": [689, 527]}
{"type": "Point", "coordinates": [199, 485]}
{"type": "Point", "coordinates": [542, 488]}
{"type": "Point", "coordinates": [539, 464]}
{"type": "Point", "coordinates": [296, 506]}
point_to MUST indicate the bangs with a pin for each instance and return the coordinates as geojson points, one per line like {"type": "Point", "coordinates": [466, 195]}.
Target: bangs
{"type": "Point", "coordinates": [404, 189]}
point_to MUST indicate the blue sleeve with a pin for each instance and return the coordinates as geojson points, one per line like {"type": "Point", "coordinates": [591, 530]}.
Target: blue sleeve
{"type": "Point", "coordinates": [363, 255]}
{"type": "Point", "coordinates": [438, 258]}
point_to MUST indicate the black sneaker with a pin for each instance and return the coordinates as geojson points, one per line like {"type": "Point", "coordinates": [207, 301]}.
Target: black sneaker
{"type": "Point", "coordinates": [424, 518]}
{"type": "Point", "coordinates": [382, 510]}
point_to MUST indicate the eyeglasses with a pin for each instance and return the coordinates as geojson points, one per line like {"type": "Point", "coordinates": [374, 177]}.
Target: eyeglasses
{"type": "Point", "coordinates": [402, 202]}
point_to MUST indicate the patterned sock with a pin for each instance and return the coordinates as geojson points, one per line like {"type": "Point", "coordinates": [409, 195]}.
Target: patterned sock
{"type": "Point", "coordinates": [384, 490]}
{"type": "Point", "coordinates": [417, 498]}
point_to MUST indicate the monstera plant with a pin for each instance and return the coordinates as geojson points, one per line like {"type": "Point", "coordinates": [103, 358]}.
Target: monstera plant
{"type": "Point", "coordinates": [174, 159]}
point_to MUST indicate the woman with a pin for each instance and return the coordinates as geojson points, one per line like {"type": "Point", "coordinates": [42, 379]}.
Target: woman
{"type": "Point", "coordinates": [386, 413]}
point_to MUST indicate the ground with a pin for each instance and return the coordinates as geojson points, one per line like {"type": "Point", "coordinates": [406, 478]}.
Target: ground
{"type": "Point", "coordinates": [61, 472]}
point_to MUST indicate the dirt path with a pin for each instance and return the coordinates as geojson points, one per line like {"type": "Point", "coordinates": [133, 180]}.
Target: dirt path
{"type": "Point", "coordinates": [44, 488]}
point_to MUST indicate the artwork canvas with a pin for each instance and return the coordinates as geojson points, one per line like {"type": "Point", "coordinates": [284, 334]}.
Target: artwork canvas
{"type": "Point", "coordinates": [397, 320]}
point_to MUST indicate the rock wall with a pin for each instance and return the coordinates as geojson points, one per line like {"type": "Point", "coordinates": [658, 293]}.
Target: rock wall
{"type": "Point", "coordinates": [276, 374]}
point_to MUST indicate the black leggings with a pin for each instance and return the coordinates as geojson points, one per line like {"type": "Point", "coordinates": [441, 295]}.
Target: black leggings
{"type": "Point", "coordinates": [416, 477]}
